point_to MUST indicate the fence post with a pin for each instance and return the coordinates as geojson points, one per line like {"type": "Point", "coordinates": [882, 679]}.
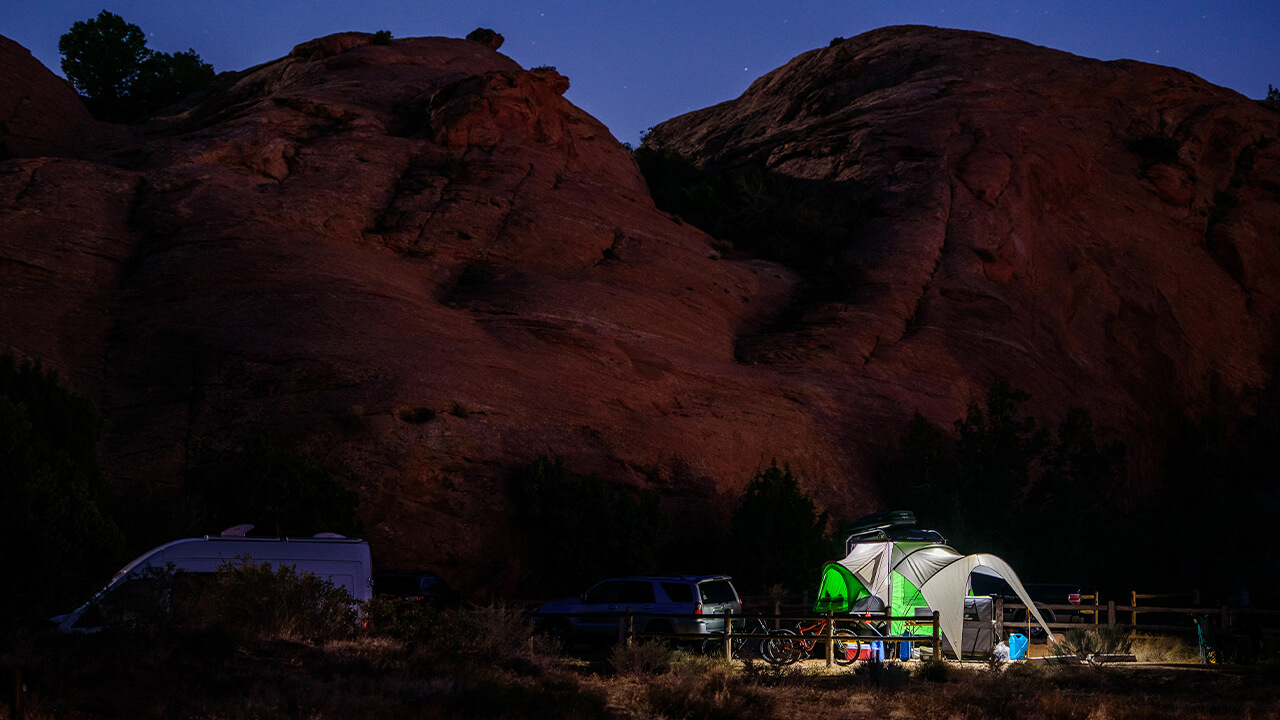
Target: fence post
{"type": "Point", "coordinates": [1133, 608]}
{"type": "Point", "coordinates": [1097, 600]}
{"type": "Point", "coordinates": [831, 636]}
{"type": "Point", "coordinates": [1225, 623]}
{"type": "Point", "coordinates": [937, 637]}
{"type": "Point", "coordinates": [728, 636]}
{"type": "Point", "coordinates": [777, 610]}
{"type": "Point", "coordinates": [1000, 617]}
{"type": "Point", "coordinates": [626, 629]}
{"type": "Point", "coordinates": [1111, 613]}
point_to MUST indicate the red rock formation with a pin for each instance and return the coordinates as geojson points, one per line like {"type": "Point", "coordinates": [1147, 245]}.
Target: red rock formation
{"type": "Point", "coordinates": [1102, 233]}
{"type": "Point", "coordinates": [423, 265]}
{"type": "Point", "coordinates": [418, 261]}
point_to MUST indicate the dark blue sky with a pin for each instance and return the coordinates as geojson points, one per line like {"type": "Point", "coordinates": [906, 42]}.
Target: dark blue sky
{"type": "Point", "coordinates": [634, 63]}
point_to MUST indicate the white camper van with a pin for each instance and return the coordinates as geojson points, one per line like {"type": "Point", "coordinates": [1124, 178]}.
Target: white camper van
{"type": "Point", "coordinates": [343, 561]}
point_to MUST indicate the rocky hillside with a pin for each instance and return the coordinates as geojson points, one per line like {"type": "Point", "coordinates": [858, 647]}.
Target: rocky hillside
{"type": "Point", "coordinates": [1105, 234]}
{"type": "Point", "coordinates": [421, 264]}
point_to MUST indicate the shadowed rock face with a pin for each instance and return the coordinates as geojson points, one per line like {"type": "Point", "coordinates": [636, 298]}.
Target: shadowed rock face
{"type": "Point", "coordinates": [418, 262]}
{"type": "Point", "coordinates": [1105, 234]}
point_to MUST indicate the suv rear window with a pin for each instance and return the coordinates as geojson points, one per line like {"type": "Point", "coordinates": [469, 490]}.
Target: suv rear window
{"type": "Point", "coordinates": [678, 592]}
{"type": "Point", "coordinates": [717, 591]}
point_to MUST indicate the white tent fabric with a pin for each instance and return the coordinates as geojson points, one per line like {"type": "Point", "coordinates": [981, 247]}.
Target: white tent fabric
{"type": "Point", "coordinates": [940, 573]}
{"type": "Point", "coordinates": [946, 588]}
{"type": "Point", "coordinates": [869, 562]}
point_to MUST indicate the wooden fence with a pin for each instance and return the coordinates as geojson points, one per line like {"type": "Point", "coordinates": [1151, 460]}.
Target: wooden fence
{"type": "Point", "coordinates": [1168, 618]}
{"type": "Point", "coordinates": [824, 628]}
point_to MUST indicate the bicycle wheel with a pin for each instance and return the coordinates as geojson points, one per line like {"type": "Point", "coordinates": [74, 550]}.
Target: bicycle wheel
{"type": "Point", "coordinates": [750, 643]}
{"type": "Point", "coordinates": [714, 645]}
{"type": "Point", "coordinates": [782, 647]}
{"type": "Point", "coordinates": [848, 647]}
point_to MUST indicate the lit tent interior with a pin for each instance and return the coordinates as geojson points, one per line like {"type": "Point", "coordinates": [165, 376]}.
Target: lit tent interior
{"type": "Point", "coordinates": [897, 576]}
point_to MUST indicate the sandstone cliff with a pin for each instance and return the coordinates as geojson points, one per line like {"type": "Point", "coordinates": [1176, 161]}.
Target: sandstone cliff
{"type": "Point", "coordinates": [424, 266]}
{"type": "Point", "coordinates": [1105, 234]}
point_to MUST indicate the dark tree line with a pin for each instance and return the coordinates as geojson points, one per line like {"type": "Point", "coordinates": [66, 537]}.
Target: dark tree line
{"type": "Point", "coordinates": [582, 528]}
{"type": "Point", "coordinates": [56, 535]}
{"type": "Point", "coordinates": [1045, 500]}
{"type": "Point", "coordinates": [64, 531]}
{"type": "Point", "coordinates": [1055, 504]}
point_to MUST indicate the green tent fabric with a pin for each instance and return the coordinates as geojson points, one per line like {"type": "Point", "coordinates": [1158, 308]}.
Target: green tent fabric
{"type": "Point", "coordinates": [907, 575]}
{"type": "Point", "coordinates": [906, 597]}
{"type": "Point", "coordinates": [839, 590]}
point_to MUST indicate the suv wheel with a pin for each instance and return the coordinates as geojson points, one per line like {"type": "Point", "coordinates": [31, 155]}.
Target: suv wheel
{"type": "Point", "coordinates": [659, 627]}
{"type": "Point", "coordinates": [558, 632]}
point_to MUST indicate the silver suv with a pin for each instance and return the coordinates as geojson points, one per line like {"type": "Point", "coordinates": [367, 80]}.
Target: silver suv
{"type": "Point", "coordinates": [684, 604]}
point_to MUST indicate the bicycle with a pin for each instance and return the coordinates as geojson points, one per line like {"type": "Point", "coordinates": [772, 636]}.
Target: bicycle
{"type": "Point", "coordinates": [745, 641]}
{"type": "Point", "coordinates": [784, 646]}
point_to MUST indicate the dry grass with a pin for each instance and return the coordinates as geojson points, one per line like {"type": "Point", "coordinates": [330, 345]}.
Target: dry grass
{"type": "Point", "coordinates": [1164, 649]}
{"type": "Point", "coordinates": [484, 663]}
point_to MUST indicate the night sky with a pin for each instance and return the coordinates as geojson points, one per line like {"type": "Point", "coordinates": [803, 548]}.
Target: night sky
{"type": "Point", "coordinates": [635, 63]}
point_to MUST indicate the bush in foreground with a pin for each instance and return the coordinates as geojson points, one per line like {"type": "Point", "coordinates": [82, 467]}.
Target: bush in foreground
{"type": "Point", "coordinates": [258, 602]}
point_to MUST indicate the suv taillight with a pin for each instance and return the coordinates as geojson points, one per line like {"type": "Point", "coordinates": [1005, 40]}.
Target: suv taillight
{"type": "Point", "coordinates": [1074, 598]}
{"type": "Point", "coordinates": [697, 609]}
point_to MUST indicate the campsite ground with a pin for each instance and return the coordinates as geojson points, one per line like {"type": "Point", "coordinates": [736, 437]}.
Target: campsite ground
{"type": "Point", "coordinates": [511, 674]}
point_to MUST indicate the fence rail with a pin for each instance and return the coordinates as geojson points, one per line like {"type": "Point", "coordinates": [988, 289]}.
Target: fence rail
{"type": "Point", "coordinates": [628, 634]}
{"type": "Point", "coordinates": [1224, 617]}
{"type": "Point", "coordinates": [1111, 614]}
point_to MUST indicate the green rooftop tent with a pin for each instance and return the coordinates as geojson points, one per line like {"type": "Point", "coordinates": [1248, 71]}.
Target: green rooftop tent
{"type": "Point", "coordinates": [899, 576]}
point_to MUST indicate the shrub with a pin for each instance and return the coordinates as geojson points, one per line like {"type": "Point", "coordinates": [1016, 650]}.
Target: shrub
{"type": "Point", "coordinates": [710, 695]}
{"type": "Point", "coordinates": [257, 602]}
{"type": "Point", "coordinates": [404, 619]}
{"type": "Point", "coordinates": [646, 657]}
{"type": "Point", "coordinates": [382, 37]}
{"type": "Point", "coordinates": [498, 631]}
{"type": "Point", "coordinates": [1164, 649]}
{"type": "Point", "coordinates": [881, 674]}
{"type": "Point", "coordinates": [932, 671]}
{"type": "Point", "coordinates": [1093, 644]}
